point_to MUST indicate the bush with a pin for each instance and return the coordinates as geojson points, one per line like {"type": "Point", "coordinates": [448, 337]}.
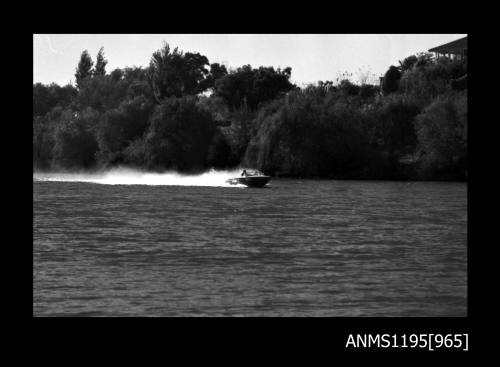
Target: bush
{"type": "Point", "coordinates": [120, 126]}
{"type": "Point", "coordinates": [310, 138]}
{"type": "Point", "coordinates": [251, 87]}
{"type": "Point", "coordinates": [220, 154]}
{"type": "Point", "coordinates": [47, 97]}
{"type": "Point", "coordinates": [368, 91]}
{"type": "Point", "coordinates": [425, 83]}
{"type": "Point", "coordinates": [347, 87]}
{"type": "Point", "coordinates": [43, 142]}
{"type": "Point", "coordinates": [442, 137]}
{"type": "Point", "coordinates": [75, 143]}
{"type": "Point", "coordinates": [179, 135]}
{"type": "Point", "coordinates": [397, 130]}
{"type": "Point", "coordinates": [44, 136]}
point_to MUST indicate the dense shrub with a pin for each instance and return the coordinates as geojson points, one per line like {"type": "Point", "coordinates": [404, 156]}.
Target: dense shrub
{"type": "Point", "coordinates": [75, 143]}
{"type": "Point", "coordinates": [43, 142]}
{"type": "Point", "coordinates": [47, 97]}
{"type": "Point", "coordinates": [442, 136]}
{"type": "Point", "coordinates": [102, 93]}
{"type": "Point", "coordinates": [307, 137]}
{"type": "Point", "coordinates": [349, 88]}
{"type": "Point", "coordinates": [368, 91]}
{"type": "Point", "coordinates": [251, 87]}
{"type": "Point", "coordinates": [179, 135]}
{"type": "Point", "coordinates": [118, 127]}
{"type": "Point", "coordinates": [425, 83]}
{"type": "Point", "coordinates": [397, 130]}
{"type": "Point", "coordinates": [220, 154]}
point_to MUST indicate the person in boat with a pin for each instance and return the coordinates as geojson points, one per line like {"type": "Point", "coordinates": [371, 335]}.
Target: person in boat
{"type": "Point", "coordinates": [244, 173]}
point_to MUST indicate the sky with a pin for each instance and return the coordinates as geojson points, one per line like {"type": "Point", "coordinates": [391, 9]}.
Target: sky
{"type": "Point", "coordinates": [312, 57]}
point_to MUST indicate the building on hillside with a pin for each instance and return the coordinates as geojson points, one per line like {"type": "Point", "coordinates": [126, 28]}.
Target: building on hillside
{"type": "Point", "coordinates": [454, 50]}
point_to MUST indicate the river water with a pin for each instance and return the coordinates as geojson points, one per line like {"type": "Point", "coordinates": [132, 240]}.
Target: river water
{"type": "Point", "coordinates": [296, 248]}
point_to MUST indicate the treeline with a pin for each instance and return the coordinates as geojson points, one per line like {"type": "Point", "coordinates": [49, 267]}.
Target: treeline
{"type": "Point", "coordinates": [183, 113]}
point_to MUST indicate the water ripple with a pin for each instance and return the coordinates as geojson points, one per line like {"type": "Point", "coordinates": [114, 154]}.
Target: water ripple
{"type": "Point", "coordinates": [300, 248]}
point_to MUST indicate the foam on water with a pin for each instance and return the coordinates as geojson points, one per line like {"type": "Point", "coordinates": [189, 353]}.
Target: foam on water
{"type": "Point", "coordinates": [127, 176]}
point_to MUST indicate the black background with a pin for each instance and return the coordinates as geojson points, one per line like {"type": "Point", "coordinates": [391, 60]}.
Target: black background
{"type": "Point", "coordinates": [302, 340]}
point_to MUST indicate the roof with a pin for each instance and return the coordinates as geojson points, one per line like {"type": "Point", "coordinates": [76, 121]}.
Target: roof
{"type": "Point", "coordinates": [456, 46]}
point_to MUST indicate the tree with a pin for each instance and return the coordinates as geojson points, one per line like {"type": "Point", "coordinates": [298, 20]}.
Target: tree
{"type": "Point", "coordinates": [117, 74]}
{"type": "Point", "coordinates": [408, 63]}
{"type": "Point", "coordinates": [397, 131]}
{"type": "Point", "coordinates": [269, 84]}
{"type": "Point", "coordinates": [84, 69]}
{"type": "Point", "coordinates": [75, 143]}
{"type": "Point", "coordinates": [368, 91]}
{"type": "Point", "coordinates": [179, 136]}
{"type": "Point", "coordinates": [120, 126]}
{"type": "Point", "coordinates": [349, 88]}
{"type": "Point", "coordinates": [46, 97]}
{"type": "Point", "coordinates": [426, 82]}
{"type": "Point", "coordinates": [175, 74]}
{"type": "Point", "coordinates": [41, 100]}
{"type": "Point", "coordinates": [308, 137]}
{"type": "Point", "coordinates": [100, 65]}
{"type": "Point", "coordinates": [98, 93]}
{"type": "Point", "coordinates": [105, 92]}
{"type": "Point", "coordinates": [217, 71]}
{"type": "Point", "coordinates": [442, 137]}
{"type": "Point", "coordinates": [253, 86]}
{"type": "Point", "coordinates": [137, 78]}
{"type": "Point", "coordinates": [391, 80]}
{"type": "Point", "coordinates": [219, 152]}
{"type": "Point", "coordinates": [43, 137]}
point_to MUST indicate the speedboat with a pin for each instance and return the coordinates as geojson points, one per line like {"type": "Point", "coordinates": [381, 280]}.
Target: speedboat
{"type": "Point", "coordinates": [250, 178]}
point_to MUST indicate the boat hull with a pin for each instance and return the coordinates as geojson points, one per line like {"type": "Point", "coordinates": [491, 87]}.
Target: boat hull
{"type": "Point", "coordinates": [252, 181]}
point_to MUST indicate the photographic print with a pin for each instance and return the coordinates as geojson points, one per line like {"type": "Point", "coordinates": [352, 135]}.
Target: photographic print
{"type": "Point", "coordinates": [250, 175]}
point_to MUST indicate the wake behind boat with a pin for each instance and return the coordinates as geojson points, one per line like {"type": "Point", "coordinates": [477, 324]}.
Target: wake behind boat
{"type": "Point", "coordinates": [250, 178]}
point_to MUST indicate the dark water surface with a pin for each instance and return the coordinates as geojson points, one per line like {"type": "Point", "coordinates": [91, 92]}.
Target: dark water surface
{"type": "Point", "coordinates": [298, 248]}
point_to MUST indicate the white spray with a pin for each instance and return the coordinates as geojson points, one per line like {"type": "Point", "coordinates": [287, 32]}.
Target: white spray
{"type": "Point", "coordinates": [127, 176]}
